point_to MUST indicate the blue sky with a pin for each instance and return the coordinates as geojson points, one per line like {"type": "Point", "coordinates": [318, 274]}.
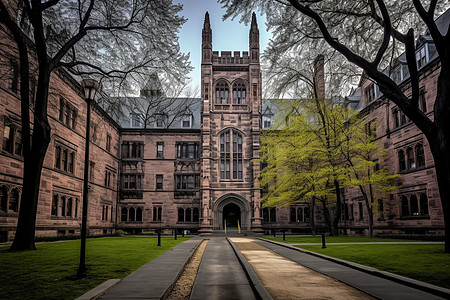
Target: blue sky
{"type": "Point", "coordinates": [227, 35]}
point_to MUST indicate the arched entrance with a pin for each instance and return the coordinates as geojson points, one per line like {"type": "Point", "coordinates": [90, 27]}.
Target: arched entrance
{"type": "Point", "coordinates": [231, 215]}
{"type": "Point", "coordinates": [231, 208]}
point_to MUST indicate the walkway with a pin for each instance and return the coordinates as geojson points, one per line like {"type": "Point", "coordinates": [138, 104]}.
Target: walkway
{"type": "Point", "coordinates": [375, 286]}
{"type": "Point", "coordinates": [220, 275]}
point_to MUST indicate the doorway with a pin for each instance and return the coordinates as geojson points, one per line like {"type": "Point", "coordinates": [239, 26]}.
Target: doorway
{"type": "Point", "coordinates": [231, 215]}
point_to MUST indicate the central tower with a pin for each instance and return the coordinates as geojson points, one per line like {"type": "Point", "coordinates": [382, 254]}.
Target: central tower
{"type": "Point", "coordinates": [231, 114]}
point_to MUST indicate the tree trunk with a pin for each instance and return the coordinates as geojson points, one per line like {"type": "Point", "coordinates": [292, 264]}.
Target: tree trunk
{"type": "Point", "coordinates": [326, 214]}
{"type": "Point", "coordinates": [337, 214]}
{"type": "Point", "coordinates": [312, 222]}
{"type": "Point", "coordinates": [33, 162]}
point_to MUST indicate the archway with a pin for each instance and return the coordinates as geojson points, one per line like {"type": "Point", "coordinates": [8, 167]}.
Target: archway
{"type": "Point", "coordinates": [231, 215]}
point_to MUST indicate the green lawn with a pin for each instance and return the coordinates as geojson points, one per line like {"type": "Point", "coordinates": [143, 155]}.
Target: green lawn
{"type": "Point", "coordinates": [331, 239]}
{"type": "Point", "coordinates": [426, 263]}
{"type": "Point", "coordinates": [49, 272]}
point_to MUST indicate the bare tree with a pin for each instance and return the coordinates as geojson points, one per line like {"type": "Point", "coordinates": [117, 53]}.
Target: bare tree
{"type": "Point", "coordinates": [118, 42]}
{"type": "Point", "coordinates": [363, 32]}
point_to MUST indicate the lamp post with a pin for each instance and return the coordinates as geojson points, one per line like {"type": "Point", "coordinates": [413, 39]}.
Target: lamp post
{"type": "Point", "coordinates": [90, 88]}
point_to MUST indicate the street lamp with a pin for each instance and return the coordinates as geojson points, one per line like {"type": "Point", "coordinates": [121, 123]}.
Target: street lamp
{"type": "Point", "coordinates": [90, 88]}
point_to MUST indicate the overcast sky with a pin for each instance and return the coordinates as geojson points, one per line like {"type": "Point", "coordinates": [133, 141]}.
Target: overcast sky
{"type": "Point", "coordinates": [227, 35]}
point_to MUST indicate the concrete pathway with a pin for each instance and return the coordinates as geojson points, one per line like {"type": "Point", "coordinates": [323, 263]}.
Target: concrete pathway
{"type": "Point", "coordinates": [375, 286]}
{"type": "Point", "coordinates": [153, 280]}
{"type": "Point", "coordinates": [220, 275]}
{"type": "Point", "coordinates": [370, 243]}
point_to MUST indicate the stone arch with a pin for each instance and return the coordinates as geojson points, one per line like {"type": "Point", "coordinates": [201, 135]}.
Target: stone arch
{"type": "Point", "coordinates": [240, 201]}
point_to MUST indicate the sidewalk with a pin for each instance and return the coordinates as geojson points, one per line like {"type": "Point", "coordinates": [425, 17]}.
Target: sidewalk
{"type": "Point", "coordinates": [153, 280]}
{"type": "Point", "coordinates": [378, 287]}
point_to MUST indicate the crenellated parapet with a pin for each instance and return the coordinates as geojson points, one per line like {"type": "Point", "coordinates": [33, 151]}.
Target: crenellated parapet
{"type": "Point", "coordinates": [230, 57]}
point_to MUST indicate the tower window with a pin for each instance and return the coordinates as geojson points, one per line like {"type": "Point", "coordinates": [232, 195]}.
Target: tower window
{"type": "Point", "coordinates": [239, 93]}
{"type": "Point", "coordinates": [222, 93]}
{"type": "Point", "coordinates": [227, 155]}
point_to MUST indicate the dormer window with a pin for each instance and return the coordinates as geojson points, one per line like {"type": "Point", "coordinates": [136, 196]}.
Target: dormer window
{"type": "Point", "coordinates": [422, 56]}
{"type": "Point", "coordinates": [369, 93]}
{"type": "Point", "coordinates": [397, 75]}
{"type": "Point", "coordinates": [266, 121]}
{"type": "Point", "coordinates": [186, 121]}
{"type": "Point", "coordinates": [160, 120]}
{"type": "Point", "coordinates": [135, 120]}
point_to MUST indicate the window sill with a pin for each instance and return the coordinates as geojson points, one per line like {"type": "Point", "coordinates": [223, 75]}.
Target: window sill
{"type": "Point", "coordinates": [412, 170]}
{"type": "Point", "coordinates": [63, 218]}
{"type": "Point", "coordinates": [424, 217]}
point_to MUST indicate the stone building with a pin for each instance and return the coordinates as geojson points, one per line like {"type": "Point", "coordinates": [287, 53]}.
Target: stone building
{"type": "Point", "coordinates": [192, 163]}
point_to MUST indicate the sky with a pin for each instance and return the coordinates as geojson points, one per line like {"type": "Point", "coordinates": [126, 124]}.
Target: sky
{"type": "Point", "coordinates": [226, 35]}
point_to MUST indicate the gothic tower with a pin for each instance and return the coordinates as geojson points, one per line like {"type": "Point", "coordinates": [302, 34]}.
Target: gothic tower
{"type": "Point", "coordinates": [231, 114]}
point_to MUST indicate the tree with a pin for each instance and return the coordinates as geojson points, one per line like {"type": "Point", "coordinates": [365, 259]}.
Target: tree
{"type": "Point", "coordinates": [118, 42]}
{"type": "Point", "coordinates": [379, 24]}
{"type": "Point", "coordinates": [319, 152]}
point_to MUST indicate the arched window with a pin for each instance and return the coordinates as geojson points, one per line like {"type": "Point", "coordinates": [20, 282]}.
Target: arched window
{"type": "Point", "coordinates": [14, 200]}
{"type": "Point", "coordinates": [414, 205]}
{"type": "Point", "coordinates": [139, 214]}
{"type": "Point", "coordinates": [227, 154]}
{"type": "Point", "coordinates": [124, 214]}
{"type": "Point", "coordinates": [8, 138]}
{"type": "Point", "coordinates": [423, 204]}
{"type": "Point", "coordinates": [69, 208]}
{"type": "Point", "coordinates": [195, 214]}
{"type": "Point", "coordinates": [222, 91]}
{"type": "Point", "coordinates": [401, 160]}
{"type": "Point", "coordinates": [131, 214]}
{"type": "Point", "coordinates": [180, 215]}
{"type": "Point", "coordinates": [410, 158]}
{"type": "Point", "coordinates": [420, 156]}
{"type": "Point", "coordinates": [405, 206]}
{"type": "Point", "coordinates": [300, 214]}
{"type": "Point", "coordinates": [306, 214]}
{"type": "Point", "coordinates": [293, 216]}
{"type": "Point", "coordinates": [76, 208]}
{"type": "Point", "coordinates": [239, 93]}
{"type": "Point", "coordinates": [188, 215]}
{"type": "Point", "coordinates": [3, 198]}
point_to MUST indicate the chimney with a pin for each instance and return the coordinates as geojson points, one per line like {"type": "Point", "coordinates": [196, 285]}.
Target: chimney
{"type": "Point", "coordinates": [319, 77]}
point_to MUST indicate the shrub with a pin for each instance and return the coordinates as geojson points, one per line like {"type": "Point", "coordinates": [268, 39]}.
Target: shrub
{"type": "Point", "coordinates": [120, 232]}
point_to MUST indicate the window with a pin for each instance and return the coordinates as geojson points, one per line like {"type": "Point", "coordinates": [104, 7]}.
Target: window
{"type": "Point", "coordinates": [421, 57]}
{"type": "Point", "coordinates": [108, 178]}
{"type": "Point", "coordinates": [3, 198]}
{"type": "Point", "coordinates": [422, 100]}
{"type": "Point", "coordinates": [54, 205]}
{"type": "Point", "coordinates": [180, 215]}
{"type": "Point", "coordinates": [124, 214]}
{"type": "Point", "coordinates": [18, 143]}
{"type": "Point", "coordinates": [293, 214]}
{"type": "Point", "coordinates": [195, 214]}
{"type": "Point", "coordinates": [273, 214]}
{"type": "Point", "coordinates": [186, 121]}
{"type": "Point", "coordinates": [62, 206]}
{"type": "Point", "coordinates": [108, 143]}
{"type": "Point", "coordinates": [132, 181]}
{"type": "Point", "coordinates": [369, 93]}
{"type": "Point", "coordinates": [157, 212]}
{"type": "Point", "coordinates": [420, 156]}
{"type": "Point", "coordinates": [187, 150]}
{"type": "Point", "coordinates": [138, 214]}
{"type": "Point", "coordinates": [15, 76]}
{"type": "Point", "coordinates": [255, 91]}
{"type": "Point", "coordinates": [265, 212]}
{"type": "Point", "coordinates": [64, 159]}
{"type": "Point", "coordinates": [14, 200]}
{"type": "Point", "coordinates": [401, 160]}
{"type": "Point", "coordinates": [135, 120]}
{"type": "Point", "coordinates": [159, 150]}
{"type": "Point", "coordinates": [67, 113]}
{"type": "Point", "coordinates": [222, 91]}
{"type": "Point", "coordinates": [160, 120]}
{"type": "Point", "coordinates": [132, 149]}
{"type": "Point", "coordinates": [69, 207]}
{"type": "Point", "coordinates": [159, 182]}
{"type": "Point", "coordinates": [187, 182]}
{"type": "Point", "coordinates": [395, 116]}
{"type": "Point", "coordinates": [239, 93]}
{"type": "Point", "coordinates": [299, 214]}
{"type": "Point", "coordinates": [415, 205]}
{"type": "Point", "coordinates": [410, 158]}
{"type": "Point", "coordinates": [228, 154]}
{"type": "Point", "coordinates": [188, 215]}
{"type": "Point", "coordinates": [380, 206]}
{"type": "Point", "coordinates": [131, 214]}
{"type": "Point", "coordinates": [403, 118]}
{"type": "Point", "coordinates": [267, 121]}
{"type": "Point", "coordinates": [12, 139]}
{"type": "Point", "coordinates": [371, 129]}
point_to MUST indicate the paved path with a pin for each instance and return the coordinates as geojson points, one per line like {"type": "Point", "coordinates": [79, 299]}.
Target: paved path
{"type": "Point", "coordinates": [370, 243]}
{"type": "Point", "coordinates": [373, 285]}
{"type": "Point", "coordinates": [220, 275]}
{"type": "Point", "coordinates": [153, 279]}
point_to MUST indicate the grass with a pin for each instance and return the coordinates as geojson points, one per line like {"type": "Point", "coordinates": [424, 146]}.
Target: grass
{"type": "Point", "coordinates": [332, 239]}
{"type": "Point", "coordinates": [426, 263]}
{"type": "Point", "coordinates": [50, 271]}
